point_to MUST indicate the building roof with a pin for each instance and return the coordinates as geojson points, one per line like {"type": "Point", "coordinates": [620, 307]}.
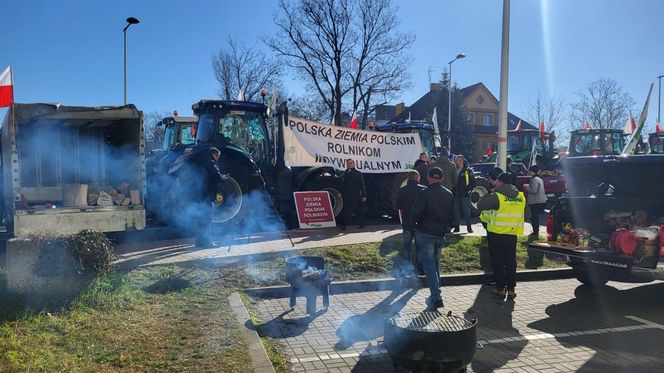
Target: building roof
{"type": "Point", "coordinates": [423, 108]}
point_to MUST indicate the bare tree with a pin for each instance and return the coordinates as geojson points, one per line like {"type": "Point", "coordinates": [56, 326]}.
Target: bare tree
{"type": "Point", "coordinates": [552, 112]}
{"type": "Point", "coordinates": [309, 106]}
{"type": "Point", "coordinates": [379, 64]}
{"type": "Point", "coordinates": [603, 103]}
{"type": "Point", "coordinates": [239, 67]}
{"type": "Point", "coordinates": [341, 47]}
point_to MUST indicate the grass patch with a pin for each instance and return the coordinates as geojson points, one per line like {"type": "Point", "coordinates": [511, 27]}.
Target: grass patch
{"type": "Point", "coordinates": [178, 319]}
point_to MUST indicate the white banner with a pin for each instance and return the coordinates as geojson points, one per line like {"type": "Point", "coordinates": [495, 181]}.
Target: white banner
{"type": "Point", "coordinates": [309, 143]}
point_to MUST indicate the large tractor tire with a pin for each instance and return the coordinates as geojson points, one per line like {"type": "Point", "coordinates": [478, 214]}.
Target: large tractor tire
{"type": "Point", "coordinates": [228, 202]}
{"type": "Point", "coordinates": [325, 181]}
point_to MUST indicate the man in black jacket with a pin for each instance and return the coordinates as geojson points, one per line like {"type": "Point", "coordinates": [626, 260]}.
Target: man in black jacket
{"type": "Point", "coordinates": [405, 201]}
{"type": "Point", "coordinates": [203, 188]}
{"type": "Point", "coordinates": [465, 183]}
{"type": "Point", "coordinates": [353, 193]}
{"type": "Point", "coordinates": [433, 215]}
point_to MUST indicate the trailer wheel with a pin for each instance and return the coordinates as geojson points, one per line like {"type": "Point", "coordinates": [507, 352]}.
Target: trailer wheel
{"type": "Point", "coordinates": [592, 277]}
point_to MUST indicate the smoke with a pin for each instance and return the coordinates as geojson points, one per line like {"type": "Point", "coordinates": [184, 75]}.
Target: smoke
{"type": "Point", "coordinates": [181, 190]}
{"type": "Point", "coordinates": [101, 154]}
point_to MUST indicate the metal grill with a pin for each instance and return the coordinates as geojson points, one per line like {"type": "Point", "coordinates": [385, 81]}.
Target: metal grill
{"type": "Point", "coordinates": [430, 322]}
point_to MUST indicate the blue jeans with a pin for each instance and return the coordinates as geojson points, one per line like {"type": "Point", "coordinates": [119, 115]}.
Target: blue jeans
{"type": "Point", "coordinates": [428, 253]}
{"type": "Point", "coordinates": [462, 208]}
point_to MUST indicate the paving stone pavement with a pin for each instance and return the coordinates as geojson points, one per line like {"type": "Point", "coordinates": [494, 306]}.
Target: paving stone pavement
{"type": "Point", "coordinates": [552, 326]}
{"type": "Point", "coordinates": [160, 252]}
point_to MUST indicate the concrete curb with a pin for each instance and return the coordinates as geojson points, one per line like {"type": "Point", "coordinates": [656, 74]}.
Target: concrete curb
{"type": "Point", "coordinates": [361, 286]}
{"type": "Point", "coordinates": [260, 362]}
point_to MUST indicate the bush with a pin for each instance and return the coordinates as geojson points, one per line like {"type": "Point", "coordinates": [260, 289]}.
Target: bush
{"type": "Point", "coordinates": [93, 250]}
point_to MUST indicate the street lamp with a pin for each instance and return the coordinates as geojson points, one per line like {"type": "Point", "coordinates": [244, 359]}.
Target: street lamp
{"type": "Point", "coordinates": [130, 21]}
{"type": "Point", "coordinates": [449, 104]}
{"type": "Point", "coordinates": [659, 97]}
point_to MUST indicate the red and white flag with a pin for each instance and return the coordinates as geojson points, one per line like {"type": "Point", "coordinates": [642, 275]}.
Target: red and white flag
{"type": "Point", "coordinates": [353, 122]}
{"type": "Point", "coordinates": [542, 133]}
{"type": "Point", "coordinates": [6, 88]}
{"type": "Point", "coordinates": [658, 128]}
{"type": "Point", "coordinates": [586, 125]}
{"type": "Point", "coordinates": [630, 126]}
{"type": "Point", "coordinates": [518, 126]}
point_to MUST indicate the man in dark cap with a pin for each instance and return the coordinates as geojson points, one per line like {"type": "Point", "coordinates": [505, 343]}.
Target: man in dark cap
{"type": "Point", "coordinates": [433, 216]}
{"type": "Point", "coordinates": [504, 213]}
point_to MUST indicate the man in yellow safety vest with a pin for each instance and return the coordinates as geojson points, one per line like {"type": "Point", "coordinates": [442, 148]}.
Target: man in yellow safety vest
{"type": "Point", "coordinates": [504, 214]}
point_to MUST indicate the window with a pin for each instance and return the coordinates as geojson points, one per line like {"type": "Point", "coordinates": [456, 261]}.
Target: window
{"type": "Point", "coordinates": [488, 119]}
{"type": "Point", "coordinates": [470, 118]}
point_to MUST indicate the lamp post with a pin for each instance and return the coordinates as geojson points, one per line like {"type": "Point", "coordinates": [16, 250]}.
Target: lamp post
{"type": "Point", "coordinates": [659, 97]}
{"type": "Point", "coordinates": [449, 104]}
{"type": "Point", "coordinates": [130, 21]}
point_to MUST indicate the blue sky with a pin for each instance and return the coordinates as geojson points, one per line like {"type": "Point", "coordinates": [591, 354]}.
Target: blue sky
{"type": "Point", "coordinates": [71, 51]}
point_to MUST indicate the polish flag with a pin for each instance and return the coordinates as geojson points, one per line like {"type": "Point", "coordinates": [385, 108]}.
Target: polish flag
{"type": "Point", "coordinates": [518, 126]}
{"type": "Point", "coordinates": [630, 126]}
{"type": "Point", "coordinates": [658, 128]}
{"type": "Point", "coordinates": [586, 125]}
{"type": "Point", "coordinates": [6, 88]}
{"type": "Point", "coordinates": [542, 131]}
{"type": "Point", "coordinates": [353, 122]}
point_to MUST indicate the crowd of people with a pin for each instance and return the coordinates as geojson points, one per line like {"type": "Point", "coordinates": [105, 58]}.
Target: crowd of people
{"type": "Point", "coordinates": [433, 201]}
{"type": "Point", "coordinates": [436, 197]}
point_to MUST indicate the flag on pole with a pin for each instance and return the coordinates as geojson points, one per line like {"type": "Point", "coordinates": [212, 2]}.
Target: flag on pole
{"type": "Point", "coordinates": [6, 88]}
{"type": "Point", "coordinates": [353, 122]}
{"type": "Point", "coordinates": [658, 128]}
{"type": "Point", "coordinates": [436, 129]}
{"type": "Point", "coordinates": [408, 120]}
{"type": "Point", "coordinates": [542, 133]}
{"type": "Point", "coordinates": [586, 125]}
{"type": "Point", "coordinates": [518, 126]}
{"type": "Point", "coordinates": [240, 95]}
{"type": "Point", "coordinates": [533, 155]}
{"type": "Point", "coordinates": [630, 125]}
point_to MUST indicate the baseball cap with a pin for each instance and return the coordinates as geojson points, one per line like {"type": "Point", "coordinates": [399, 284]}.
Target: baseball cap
{"type": "Point", "coordinates": [504, 177]}
{"type": "Point", "coordinates": [436, 173]}
{"type": "Point", "coordinates": [493, 174]}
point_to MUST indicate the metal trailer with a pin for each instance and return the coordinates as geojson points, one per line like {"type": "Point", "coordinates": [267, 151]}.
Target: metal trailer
{"type": "Point", "coordinates": [47, 146]}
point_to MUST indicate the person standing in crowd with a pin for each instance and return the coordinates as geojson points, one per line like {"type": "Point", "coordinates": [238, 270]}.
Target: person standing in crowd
{"type": "Point", "coordinates": [432, 160]}
{"type": "Point", "coordinates": [433, 216]}
{"type": "Point", "coordinates": [536, 198]}
{"type": "Point", "coordinates": [505, 214]}
{"type": "Point", "coordinates": [510, 172]}
{"type": "Point", "coordinates": [353, 193]}
{"type": "Point", "coordinates": [448, 168]}
{"type": "Point", "coordinates": [405, 201]}
{"type": "Point", "coordinates": [465, 183]}
{"type": "Point", "coordinates": [424, 157]}
{"type": "Point", "coordinates": [423, 168]}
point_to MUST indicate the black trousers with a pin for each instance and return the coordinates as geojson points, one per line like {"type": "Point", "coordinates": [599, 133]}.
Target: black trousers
{"type": "Point", "coordinates": [502, 250]}
{"type": "Point", "coordinates": [535, 211]}
{"type": "Point", "coordinates": [352, 206]}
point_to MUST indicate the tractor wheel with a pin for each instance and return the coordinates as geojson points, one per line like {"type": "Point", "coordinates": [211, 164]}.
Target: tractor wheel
{"type": "Point", "coordinates": [325, 181]}
{"type": "Point", "coordinates": [228, 202]}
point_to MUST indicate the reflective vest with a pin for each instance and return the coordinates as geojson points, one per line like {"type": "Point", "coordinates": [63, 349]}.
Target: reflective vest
{"type": "Point", "coordinates": [467, 179]}
{"type": "Point", "coordinates": [509, 217]}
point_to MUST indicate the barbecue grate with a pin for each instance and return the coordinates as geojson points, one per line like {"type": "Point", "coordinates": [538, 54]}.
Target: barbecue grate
{"type": "Point", "coordinates": [430, 322]}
